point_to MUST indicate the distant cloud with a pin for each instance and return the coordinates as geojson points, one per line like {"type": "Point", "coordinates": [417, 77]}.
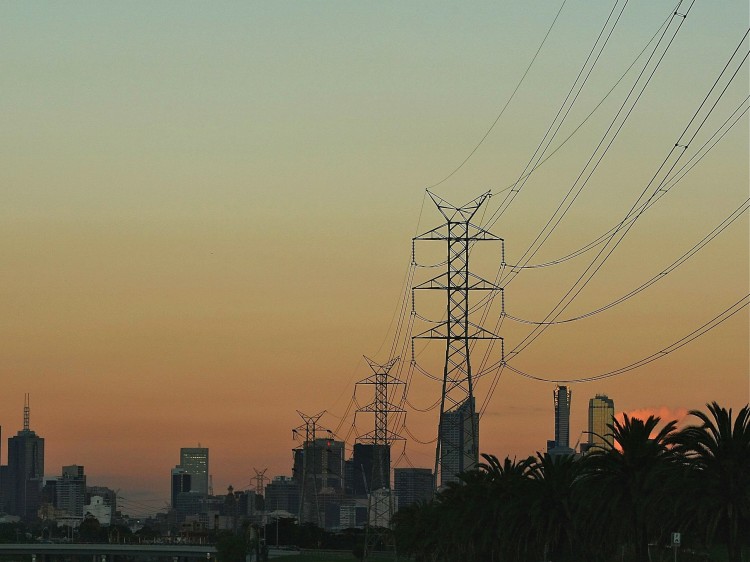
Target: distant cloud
{"type": "Point", "coordinates": [666, 414]}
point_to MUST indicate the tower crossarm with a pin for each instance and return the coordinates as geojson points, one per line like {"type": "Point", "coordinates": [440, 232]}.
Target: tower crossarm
{"type": "Point", "coordinates": [473, 233]}
{"type": "Point", "coordinates": [473, 282]}
{"type": "Point", "coordinates": [464, 213]}
{"type": "Point", "coordinates": [443, 331]}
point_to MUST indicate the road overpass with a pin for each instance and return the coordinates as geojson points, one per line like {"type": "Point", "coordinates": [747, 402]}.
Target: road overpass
{"type": "Point", "coordinates": [49, 552]}
{"type": "Point", "coordinates": [54, 552]}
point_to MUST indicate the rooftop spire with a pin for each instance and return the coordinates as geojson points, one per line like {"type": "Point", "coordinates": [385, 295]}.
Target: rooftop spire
{"type": "Point", "coordinates": [26, 412]}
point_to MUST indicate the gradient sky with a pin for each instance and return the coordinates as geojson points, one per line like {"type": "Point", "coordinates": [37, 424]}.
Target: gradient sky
{"type": "Point", "coordinates": [208, 210]}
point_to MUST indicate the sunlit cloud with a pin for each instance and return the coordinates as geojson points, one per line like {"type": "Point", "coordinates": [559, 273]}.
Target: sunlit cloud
{"type": "Point", "coordinates": [667, 414]}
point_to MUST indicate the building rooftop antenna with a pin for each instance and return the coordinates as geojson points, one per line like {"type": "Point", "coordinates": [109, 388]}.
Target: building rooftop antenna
{"type": "Point", "coordinates": [26, 412]}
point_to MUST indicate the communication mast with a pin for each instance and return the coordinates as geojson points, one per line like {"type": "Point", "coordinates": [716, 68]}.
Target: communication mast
{"type": "Point", "coordinates": [26, 412]}
{"type": "Point", "coordinates": [379, 497]}
{"type": "Point", "coordinates": [457, 447]}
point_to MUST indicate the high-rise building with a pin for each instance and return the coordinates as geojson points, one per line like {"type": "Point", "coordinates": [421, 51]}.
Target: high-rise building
{"type": "Point", "coordinates": [323, 462]}
{"type": "Point", "coordinates": [181, 482]}
{"type": "Point", "coordinates": [459, 441]}
{"type": "Point", "coordinates": [282, 494]}
{"type": "Point", "coordinates": [25, 473]}
{"type": "Point", "coordinates": [561, 445]}
{"type": "Point", "coordinates": [322, 481]}
{"type": "Point", "coordinates": [70, 490]}
{"type": "Point", "coordinates": [194, 460]}
{"type": "Point", "coordinates": [412, 485]}
{"type": "Point", "coordinates": [562, 397]}
{"type": "Point", "coordinates": [601, 415]}
{"type": "Point", "coordinates": [370, 468]}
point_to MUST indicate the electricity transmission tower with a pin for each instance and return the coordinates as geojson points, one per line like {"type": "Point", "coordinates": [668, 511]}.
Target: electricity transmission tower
{"type": "Point", "coordinates": [379, 497]}
{"type": "Point", "coordinates": [457, 447]}
{"type": "Point", "coordinates": [309, 511]}
{"type": "Point", "coordinates": [260, 480]}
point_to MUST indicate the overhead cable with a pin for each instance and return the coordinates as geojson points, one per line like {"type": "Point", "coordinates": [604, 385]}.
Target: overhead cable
{"type": "Point", "coordinates": [695, 334]}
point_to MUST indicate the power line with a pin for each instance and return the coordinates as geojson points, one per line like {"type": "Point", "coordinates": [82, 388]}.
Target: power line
{"type": "Point", "coordinates": [695, 334]}
{"type": "Point", "coordinates": [733, 216]}
{"type": "Point", "coordinates": [501, 279]}
{"type": "Point", "coordinates": [680, 147]}
{"type": "Point", "coordinates": [502, 111]}
{"type": "Point", "coordinates": [697, 157]}
{"type": "Point", "coordinates": [564, 110]}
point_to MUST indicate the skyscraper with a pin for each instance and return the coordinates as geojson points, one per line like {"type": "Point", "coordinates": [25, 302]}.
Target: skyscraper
{"type": "Point", "coordinates": [562, 396]}
{"type": "Point", "coordinates": [322, 481]}
{"type": "Point", "coordinates": [194, 460]}
{"type": "Point", "coordinates": [601, 414]}
{"type": "Point", "coordinates": [561, 444]}
{"type": "Point", "coordinates": [368, 474]}
{"type": "Point", "coordinates": [25, 470]}
{"type": "Point", "coordinates": [459, 451]}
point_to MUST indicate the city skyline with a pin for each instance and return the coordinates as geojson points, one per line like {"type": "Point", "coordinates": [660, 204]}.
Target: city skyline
{"type": "Point", "coordinates": [199, 457]}
{"type": "Point", "coordinates": [209, 214]}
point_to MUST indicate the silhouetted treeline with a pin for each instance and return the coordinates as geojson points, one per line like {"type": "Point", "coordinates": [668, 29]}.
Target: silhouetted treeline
{"type": "Point", "coordinates": [612, 504]}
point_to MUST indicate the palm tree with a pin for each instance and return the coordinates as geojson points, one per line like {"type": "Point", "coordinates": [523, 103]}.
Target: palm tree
{"type": "Point", "coordinates": [507, 505]}
{"type": "Point", "coordinates": [629, 481]}
{"type": "Point", "coordinates": [718, 454]}
{"type": "Point", "coordinates": [552, 506]}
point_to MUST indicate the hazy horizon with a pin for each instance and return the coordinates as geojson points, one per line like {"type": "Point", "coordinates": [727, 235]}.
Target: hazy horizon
{"type": "Point", "coordinates": [209, 209]}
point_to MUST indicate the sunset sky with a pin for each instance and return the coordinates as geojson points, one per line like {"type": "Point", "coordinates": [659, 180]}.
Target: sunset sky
{"type": "Point", "coordinates": [208, 209]}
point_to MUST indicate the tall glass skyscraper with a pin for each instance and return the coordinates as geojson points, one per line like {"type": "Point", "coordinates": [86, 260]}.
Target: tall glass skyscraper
{"type": "Point", "coordinates": [562, 396]}
{"type": "Point", "coordinates": [459, 442]}
{"type": "Point", "coordinates": [601, 414]}
{"type": "Point", "coordinates": [194, 461]}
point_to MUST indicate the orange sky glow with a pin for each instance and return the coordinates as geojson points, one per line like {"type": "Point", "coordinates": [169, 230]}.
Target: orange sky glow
{"type": "Point", "coordinates": [208, 212]}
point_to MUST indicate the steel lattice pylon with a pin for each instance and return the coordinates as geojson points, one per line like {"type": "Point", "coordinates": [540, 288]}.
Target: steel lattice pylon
{"type": "Point", "coordinates": [457, 447]}
{"type": "Point", "coordinates": [309, 511]}
{"type": "Point", "coordinates": [260, 480]}
{"type": "Point", "coordinates": [380, 500]}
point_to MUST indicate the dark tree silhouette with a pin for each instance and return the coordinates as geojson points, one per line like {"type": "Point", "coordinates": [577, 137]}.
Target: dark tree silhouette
{"type": "Point", "coordinates": [717, 453]}
{"type": "Point", "coordinates": [631, 481]}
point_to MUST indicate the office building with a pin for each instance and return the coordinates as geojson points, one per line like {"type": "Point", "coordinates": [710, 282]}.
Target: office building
{"type": "Point", "coordinates": [181, 482]}
{"type": "Point", "coordinates": [322, 481]}
{"type": "Point", "coordinates": [459, 441]}
{"type": "Point", "coordinates": [25, 472]}
{"type": "Point", "coordinates": [282, 494]}
{"type": "Point", "coordinates": [370, 468]}
{"type": "Point", "coordinates": [561, 445]}
{"type": "Point", "coordinates": [601, 416]}
{"type": "Point", "coordinates": [70, 490]}
{"type": "Point", "coordinates": [412, 485]}
{"type": "Point", "coordinates": [194, 460]}
{"type": "Point", "coordinates": [322, 461]}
